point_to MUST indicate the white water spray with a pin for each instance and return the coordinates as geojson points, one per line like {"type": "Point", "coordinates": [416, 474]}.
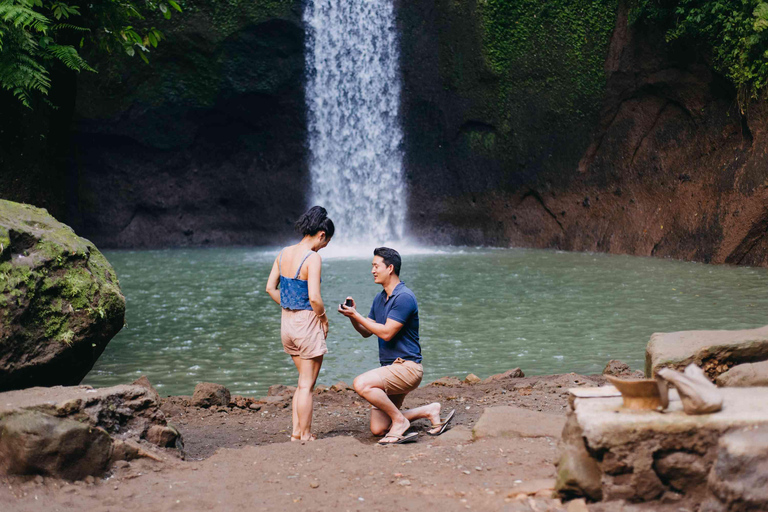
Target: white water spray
{"type": "Point", "coordinates": [353, 97]}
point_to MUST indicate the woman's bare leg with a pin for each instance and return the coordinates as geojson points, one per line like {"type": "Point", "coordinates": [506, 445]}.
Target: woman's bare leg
{"type": "Point", "coordinates": [302, 399]}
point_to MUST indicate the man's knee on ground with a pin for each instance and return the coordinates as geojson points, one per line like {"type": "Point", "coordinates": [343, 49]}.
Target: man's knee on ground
{"type": "Point", "coordinates": [378, 430]}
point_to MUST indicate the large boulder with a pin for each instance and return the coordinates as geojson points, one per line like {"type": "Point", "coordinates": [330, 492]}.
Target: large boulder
{"type": "Point", "coordinates": [714, 351]}
{"type": "Point", "coordinates": [37, 443]}
{"type": "Point", "coordinates": [745, 375]}
{"type": "Point", "coordinates": [60, 301]}
{"type": "Point", "coordinates": [72, 432]}
{"type": "Point", "coordinates": [208, 393]}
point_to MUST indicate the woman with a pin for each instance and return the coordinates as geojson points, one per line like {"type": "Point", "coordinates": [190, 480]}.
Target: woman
{"type": "Point", "coordinates": [294, 283]}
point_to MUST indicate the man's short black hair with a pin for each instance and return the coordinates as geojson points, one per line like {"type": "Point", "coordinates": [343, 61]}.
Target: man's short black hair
{"type": "Point", "coordinates": [390, 257]}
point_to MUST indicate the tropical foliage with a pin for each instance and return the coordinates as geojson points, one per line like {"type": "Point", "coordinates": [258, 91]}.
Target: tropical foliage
{"type": "Point", "coordinates": [36, 35]}
{"type": "Point", "coordinates": [732, 32]}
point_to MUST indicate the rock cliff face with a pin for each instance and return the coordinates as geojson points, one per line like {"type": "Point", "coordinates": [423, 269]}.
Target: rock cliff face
{"type": "Point", "coordinates": [669, 167]}
{"type": "Point", "coordinates": [206, 145]}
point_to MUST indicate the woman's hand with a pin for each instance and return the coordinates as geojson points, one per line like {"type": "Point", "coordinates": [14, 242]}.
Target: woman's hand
{"type": "Point", "coordinates": [324, 325]}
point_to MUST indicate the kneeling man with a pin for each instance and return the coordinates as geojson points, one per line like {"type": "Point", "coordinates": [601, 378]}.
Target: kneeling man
{"type": "Point", "coordinates": [394, 319]}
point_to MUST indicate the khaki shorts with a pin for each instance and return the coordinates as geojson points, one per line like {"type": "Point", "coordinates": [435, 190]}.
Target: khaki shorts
{"type": "Point", "coordinates": [400, 377]}
{"type": "Point", "coordinates": [302, 334]}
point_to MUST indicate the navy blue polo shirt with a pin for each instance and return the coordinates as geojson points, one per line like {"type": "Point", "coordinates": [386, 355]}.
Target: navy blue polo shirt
{"type": "Point", "coordinates": [400, 307]}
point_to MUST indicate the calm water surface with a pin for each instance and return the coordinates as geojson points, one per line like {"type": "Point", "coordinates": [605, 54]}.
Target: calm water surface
{"type": "Point", "coordinates": [203, 315]}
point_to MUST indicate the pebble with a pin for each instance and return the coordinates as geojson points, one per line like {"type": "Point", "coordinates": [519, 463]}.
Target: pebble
{"type": "Point", "coordinates": [466, 472]}
{"type": "Point", "coordinates": [478, 468]}
{"type": "Point", "coordinates": [404, 482]}
{"type": "Point", "coordinates": [314, 485]}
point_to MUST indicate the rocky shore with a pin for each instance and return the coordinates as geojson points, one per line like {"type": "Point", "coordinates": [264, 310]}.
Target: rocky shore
{"type": "Point", "coordinates": [499, 455]}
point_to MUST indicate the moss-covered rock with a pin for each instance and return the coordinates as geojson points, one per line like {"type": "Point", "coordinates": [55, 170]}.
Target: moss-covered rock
{"type": "Point", "coordinates": [60, 300]}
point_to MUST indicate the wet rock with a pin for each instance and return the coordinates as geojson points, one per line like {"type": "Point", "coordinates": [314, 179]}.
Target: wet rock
{"type": "Point", "coordinates": [515, 373]}
{"type": "Point", "coordinates": [714, 351]}
{"type": "Point", "coordinates": [207, 394]}
{"type": "Point", "coordinates": [60, 299]}
{"type": "Point", "coordinates": [472, 379]}
{"type": "Point", "coordinates": [739, 477]}
{"type": "Point", "coordinates": [446, 381]}
{"type": "Point", "coordinates": [281, 390]}
{"type": "Point", "coordinates": [143, 381]}
{"type": "Point", "coordinates": [508, 421]}
{"type": "Point", "coordinates": [38, 443]}
{"type": "Point", "coordinates": [745, 375]}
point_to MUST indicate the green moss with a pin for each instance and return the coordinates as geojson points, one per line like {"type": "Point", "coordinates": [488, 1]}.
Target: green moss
{"type": "Point", "coordinates": [555, 48]}
{"type": "Point", "coordinates": [78, 287]}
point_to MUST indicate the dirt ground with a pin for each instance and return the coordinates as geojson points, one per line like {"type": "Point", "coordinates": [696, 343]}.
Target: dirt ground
{"type": "Point", "coordinates": [241, 459]}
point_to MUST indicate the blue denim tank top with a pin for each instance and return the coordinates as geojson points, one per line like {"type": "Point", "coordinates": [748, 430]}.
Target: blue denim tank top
{"type": "Point", "coordinates": [294, 293]}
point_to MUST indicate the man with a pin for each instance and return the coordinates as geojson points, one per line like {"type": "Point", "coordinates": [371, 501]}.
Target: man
{"type": "Point", "coordinates": [394, 319]}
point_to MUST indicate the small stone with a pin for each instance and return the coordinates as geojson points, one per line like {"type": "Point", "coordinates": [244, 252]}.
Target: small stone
{"type": "Point", "coordinates": [478, 468]}
{"type": "Point", "coordinates": [340, 386]}
{"type": "Point", "coordinates": [89, 480]}
{"type": "Point", "coordinates": [121, 464]}
{"type": "Point", "coordinates": [254, 407]}
{"type": "Point", "coordinates": [472, 379]}
{"type": "Point", "coordinates": [404, 482]}
{"type": "Point", "coordinates": [314, 485]}
{"type": "Point", "coordinates": [208, 394]}
{"type": "Point", "coordinates": [466, 472]}
{"type": "Point", "coordinates": [446, 381]}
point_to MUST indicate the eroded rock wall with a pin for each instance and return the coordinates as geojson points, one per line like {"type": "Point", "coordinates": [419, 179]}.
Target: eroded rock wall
{"type": "Point", "coordinates": [663, 164]}
{"type": "Point", "coordinates": [204, 146]}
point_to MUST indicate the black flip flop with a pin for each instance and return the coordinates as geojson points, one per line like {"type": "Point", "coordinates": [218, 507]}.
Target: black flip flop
{"type": "Point", "coordinates": [443, 425]}
{"type": "Point", "coordinates": [410, 438]}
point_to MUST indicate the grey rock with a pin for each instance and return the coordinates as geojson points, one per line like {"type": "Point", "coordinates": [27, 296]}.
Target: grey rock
{"type": "Point", "coordinates": [578, 473]}
{"type": "Point", "coordinates": [739, 477]}
{"type": "Point", "coordinates": [745, 375]}
{"type": "Point", "coordinates": [38, 443]}
{"type": "Point", "coordinates": [207, 394]}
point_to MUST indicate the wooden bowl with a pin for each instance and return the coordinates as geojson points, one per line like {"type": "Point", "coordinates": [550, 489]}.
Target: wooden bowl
{"type": "Point", "coordinates": [641, 394]}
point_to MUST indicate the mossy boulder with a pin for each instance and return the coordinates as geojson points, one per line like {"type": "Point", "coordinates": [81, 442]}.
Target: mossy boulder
{"type": "Point", "coordinates": [60, 300]}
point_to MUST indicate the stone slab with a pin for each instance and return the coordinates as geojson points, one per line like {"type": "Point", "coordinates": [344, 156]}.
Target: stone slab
{"type": "Point", "coordinates": [745, 375]}
{"type": "Point", "coordinates": [61, 397]}
{"type": "Point", "coordinates": [605, 424]}
{"type": "Point", "coordinates": [708, 349]}
{"type": "Point", "coordinates": [508, 421]}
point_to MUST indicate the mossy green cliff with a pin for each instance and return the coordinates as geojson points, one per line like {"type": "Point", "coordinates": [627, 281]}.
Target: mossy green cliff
{"type": "Point", "coordinates": [60, 300]}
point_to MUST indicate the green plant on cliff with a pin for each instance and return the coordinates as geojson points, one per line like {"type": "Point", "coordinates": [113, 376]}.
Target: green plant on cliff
{"type": "Point", "coordinates": [732, 32]}
{"type": "Point", "coordinates": [36, 35]}
{"type": "Point", "coordinates": [556, 47]}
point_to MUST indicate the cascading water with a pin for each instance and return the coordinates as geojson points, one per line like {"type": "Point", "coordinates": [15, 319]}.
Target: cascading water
{"type": "Point", "coordinates": [353, 97]}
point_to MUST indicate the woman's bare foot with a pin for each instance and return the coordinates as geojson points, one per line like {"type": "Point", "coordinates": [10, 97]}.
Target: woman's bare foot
{"type": "Point", "coordinates": [294, 438]}
{"type": "Point", "coordinates": [434, 416]}
{"type": "Point", "coordinates": [395, 431]}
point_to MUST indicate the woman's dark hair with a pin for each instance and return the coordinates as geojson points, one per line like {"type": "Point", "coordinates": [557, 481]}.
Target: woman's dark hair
{"type": "Point", "coordinates": [315, 219]}
{"type": "Point", "coordinates": [390, 257]}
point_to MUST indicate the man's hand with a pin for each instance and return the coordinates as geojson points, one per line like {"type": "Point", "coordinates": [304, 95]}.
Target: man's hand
{"type": "Point", "coordinates": [348, 311]}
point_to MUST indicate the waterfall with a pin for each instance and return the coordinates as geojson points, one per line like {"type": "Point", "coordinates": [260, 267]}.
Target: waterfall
{"type": "Point", "coordinates": [353, 97]}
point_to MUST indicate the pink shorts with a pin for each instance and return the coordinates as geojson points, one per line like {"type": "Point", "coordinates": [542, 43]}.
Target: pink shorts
{"type": "Point", "coordinates": [302, 334]}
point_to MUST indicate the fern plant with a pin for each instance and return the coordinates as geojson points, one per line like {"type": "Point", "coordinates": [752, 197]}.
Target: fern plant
{"type": "Point", "coordinates": [37, 34]}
